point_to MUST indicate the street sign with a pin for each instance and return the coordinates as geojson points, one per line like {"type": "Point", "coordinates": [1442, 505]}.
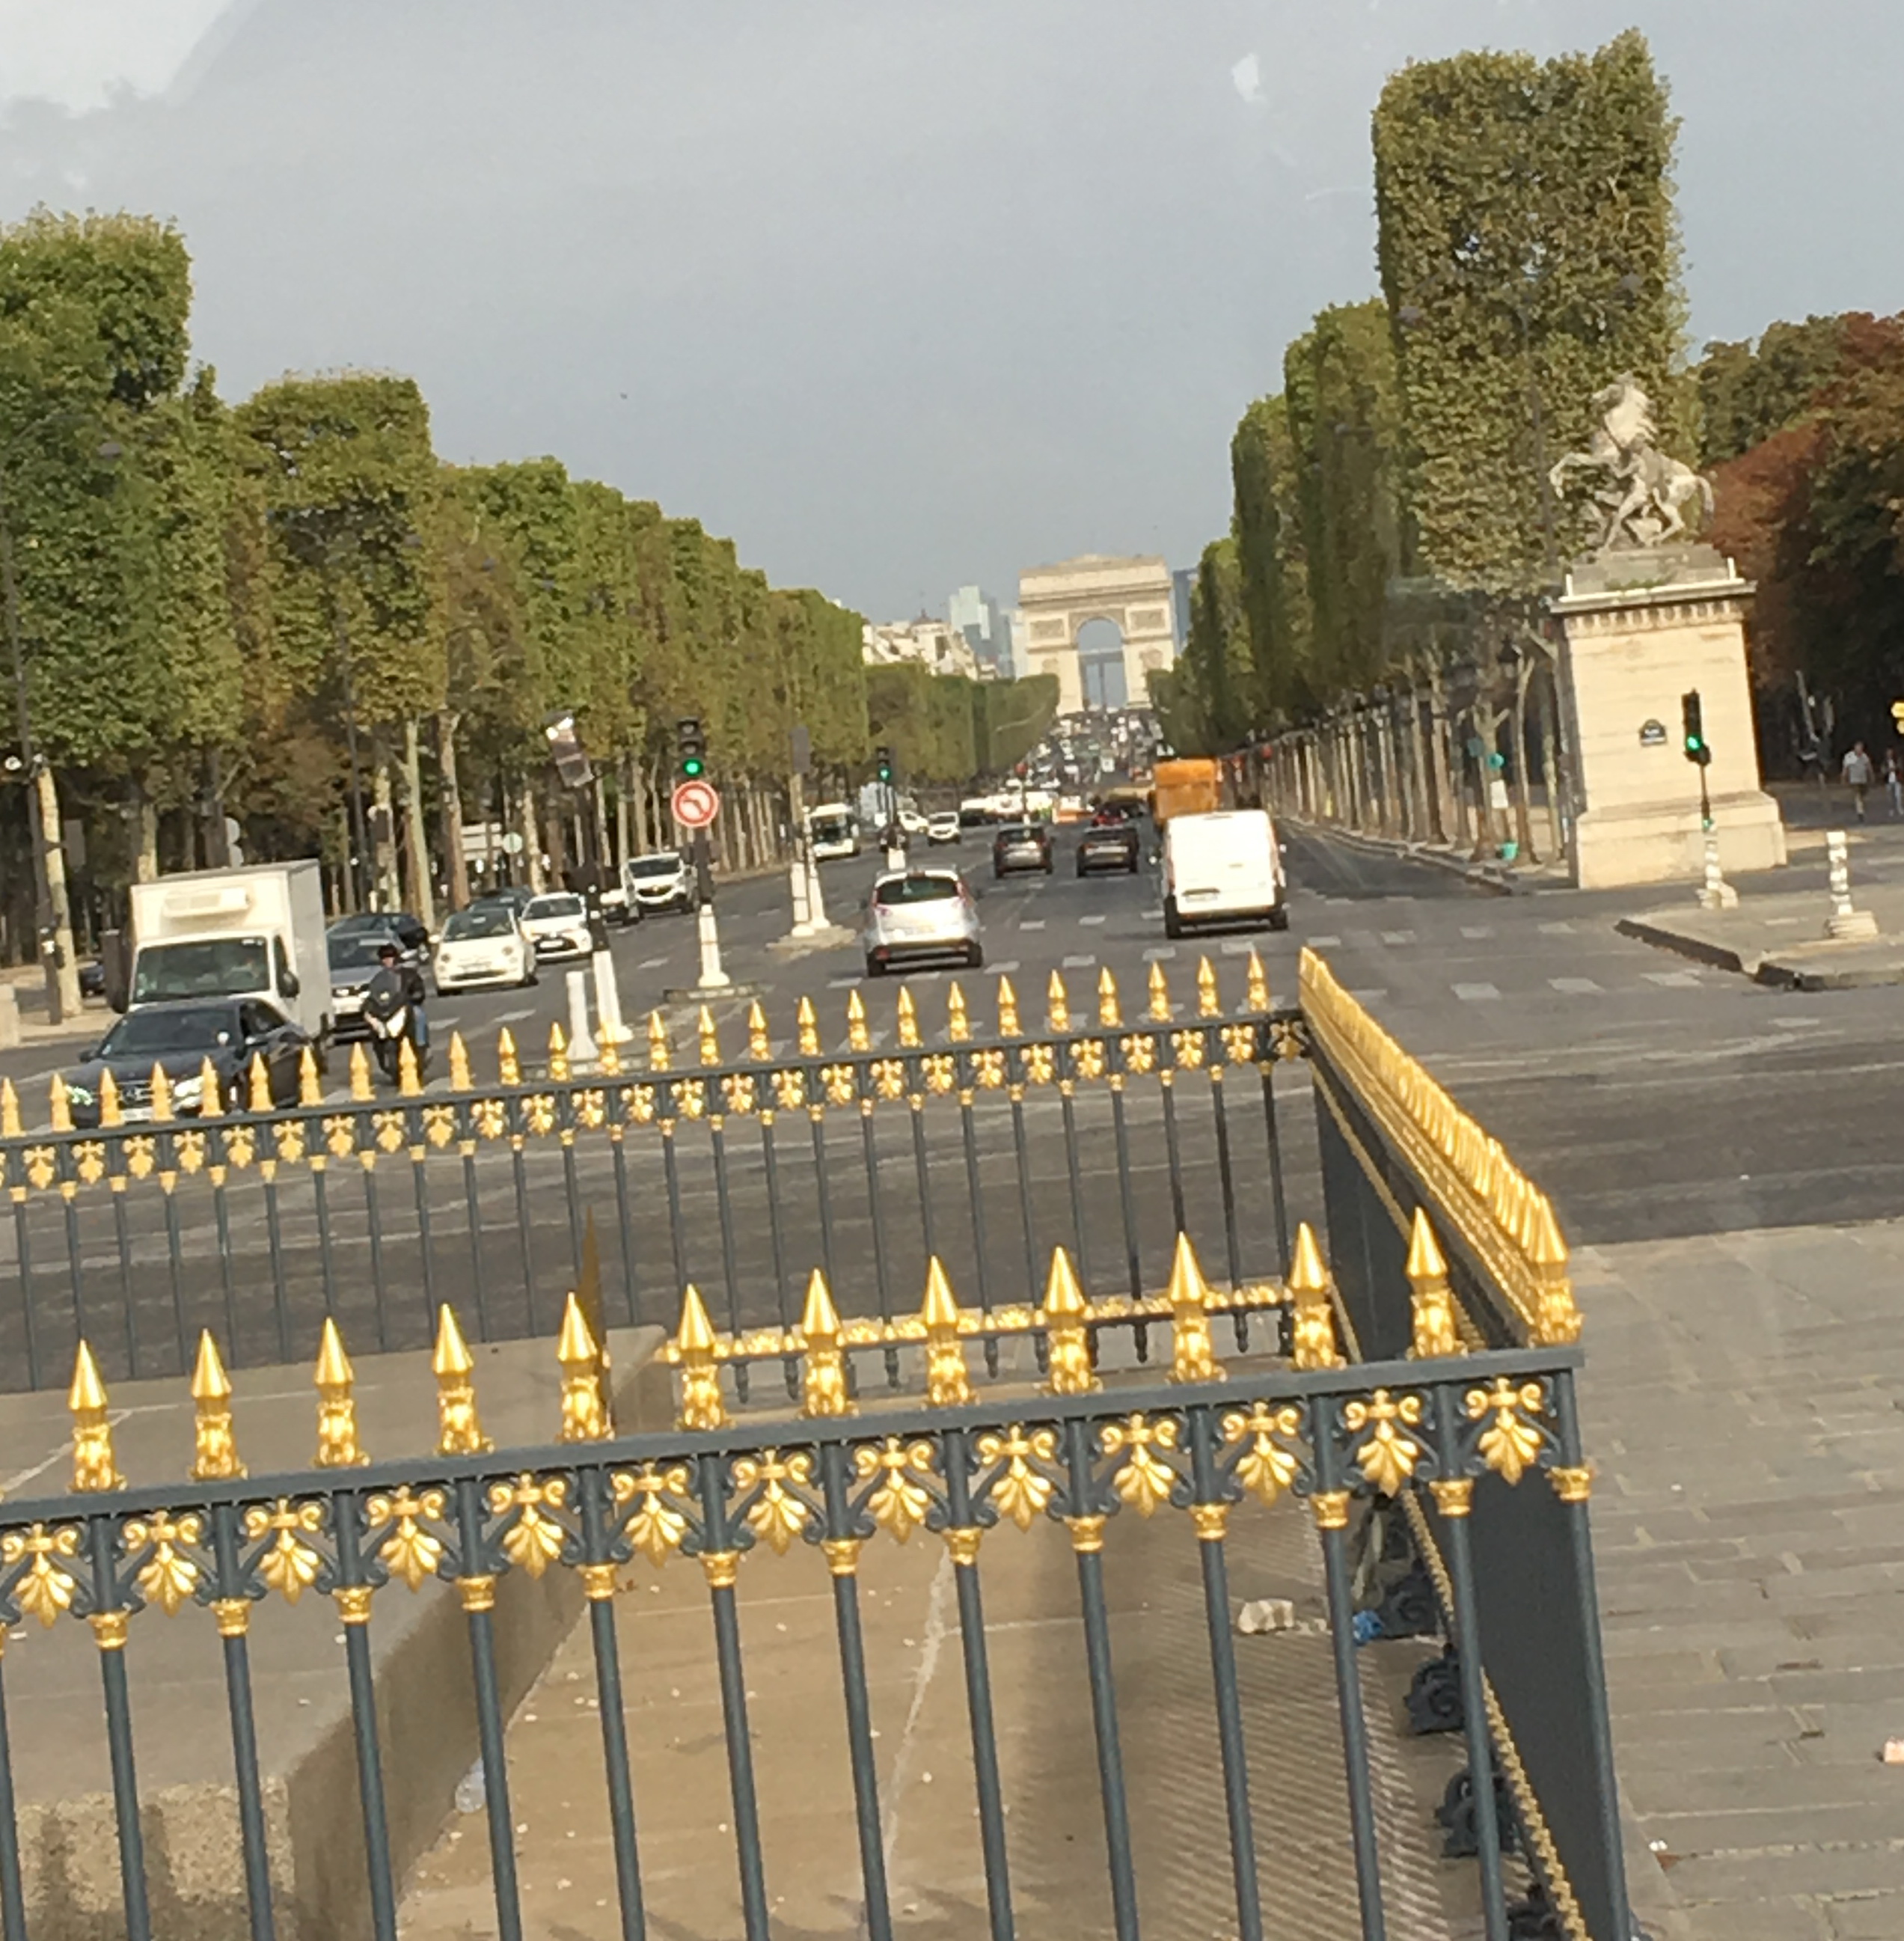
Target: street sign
{"type": "Point", "coordinates": [695, 803]}
{"type": "Point", "coordinates": [512, 844]}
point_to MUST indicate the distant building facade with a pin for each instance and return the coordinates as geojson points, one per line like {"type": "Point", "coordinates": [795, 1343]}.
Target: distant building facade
{"type": "Point", "coordinates": [985, 627]}
{"type": "Point", "coordinates": [935, 645]}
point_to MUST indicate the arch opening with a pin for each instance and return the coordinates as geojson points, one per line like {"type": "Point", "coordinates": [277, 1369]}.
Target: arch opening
{"type": "Point", "coordinates": [1101, 663]}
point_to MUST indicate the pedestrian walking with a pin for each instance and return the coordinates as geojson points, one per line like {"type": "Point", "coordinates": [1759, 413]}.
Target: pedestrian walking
{"type": "Point", "coordinates": [1858, 774]}
{"type": "Point", "coordinates": [1894, 782]}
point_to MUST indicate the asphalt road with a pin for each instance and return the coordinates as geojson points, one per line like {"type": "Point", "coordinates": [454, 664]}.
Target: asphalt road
{"type": "Point", "coordinates": [1651, 1097]}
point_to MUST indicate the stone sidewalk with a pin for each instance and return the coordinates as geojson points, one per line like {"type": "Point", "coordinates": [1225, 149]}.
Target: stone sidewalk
{"type": "Point", "coordinates": [1780, 939]}
{"type": "Point", "coordinates": [1744, 1402]}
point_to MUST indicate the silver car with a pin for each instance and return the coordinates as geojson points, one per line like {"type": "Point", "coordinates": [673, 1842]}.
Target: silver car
{"type": "Point", "coordinates": [920, 913]}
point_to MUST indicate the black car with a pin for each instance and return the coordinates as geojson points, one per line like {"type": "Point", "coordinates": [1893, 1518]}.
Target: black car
{"type": "Point", "coordinates": [1110, 842]}
{"type": "Point", "coordinates": [179, 1038]}
{"type": "Point", "coordinates": [1021, 846]}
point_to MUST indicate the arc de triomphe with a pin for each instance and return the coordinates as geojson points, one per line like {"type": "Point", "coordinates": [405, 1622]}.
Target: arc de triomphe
{"type": "Point", "coordinates": [1133, 594]}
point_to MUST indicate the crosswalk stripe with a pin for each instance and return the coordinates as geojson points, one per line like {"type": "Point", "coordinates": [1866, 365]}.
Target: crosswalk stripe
{"type": "Point", "coordinates": [1561, 929]}
{"type": "Point", "coordinates": [1160, 953]}
{"type": "Point", "coordinates": [1674, 980]}
{"type": "Point", "coordinates": [1576, 987]}
{"type": "Point", "coordinates": [1476, 931]}
{"type": "Point", "coordinates": [1474, 993]}
{"type": "Point", "coordinates": [1004, 970]}
{"type": "Point", "coordinates": [1325, 943]}
{"type": "Point", "coordinates": [1097, 918]}
{"type": "Point", "coordinates": [1398, 936]}
{"type": "Point", "coordinates": [652, 964]}
{"type": "Point", "coordinates": [1031, 923]}
{"type": "Point", "coordinates": [1237, 946]}
{"type": "Point", "coordinates": [1079, 963]}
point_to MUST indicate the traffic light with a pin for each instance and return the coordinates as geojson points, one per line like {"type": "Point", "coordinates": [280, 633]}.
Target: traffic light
{"type": "Point", "coordinates": [691, 746]}
{"type": "Point", "coordinates": [1897, 715]}
{"type": "Point", "coordinates": [882, 762]}
{"type": "Point", "coordinates": [1692, 721]}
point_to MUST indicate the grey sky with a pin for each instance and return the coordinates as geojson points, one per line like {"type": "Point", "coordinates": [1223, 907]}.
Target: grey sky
{"type": "Point", "coordinates": [899, 293]}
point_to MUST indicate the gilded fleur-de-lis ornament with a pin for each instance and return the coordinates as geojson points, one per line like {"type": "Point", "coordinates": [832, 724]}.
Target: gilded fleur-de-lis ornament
{"type": "Point", "coordinates": [585, 1400]}
{"type": "Point", "coordinates": [1192, 1357]}
{"type": "Point", "coordinates": [336, 1408]}
{"type": "Point", "coordinates": [698, 1347]}
{"type": "Point", "coordinates": [95, 1469]}
{"type": "Point", "coordinates": [947, 1383]}
{"type": "Point", "coordinates": [215, 1447]}
{"type": "Point", "coordinates": [459, 1430]}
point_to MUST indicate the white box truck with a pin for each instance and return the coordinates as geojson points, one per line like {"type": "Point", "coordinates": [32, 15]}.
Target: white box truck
{"type": "Point", "coordinates": [254, 932]}
{"type": "Point", "coordinates": [1223, 867]}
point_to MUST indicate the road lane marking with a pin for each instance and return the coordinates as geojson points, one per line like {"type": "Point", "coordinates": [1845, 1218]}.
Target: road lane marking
{"type": "Point", "coordinates": [653, 964]}
{"type": "Point", "coordinates": [1398, 936]}
{"type": "Point", "coordinates": [1684, 980]}
{"type": "Point", "coordinates": [1475, 993]}
{"type": "Point", "coordinates": [1372, 997]}
{"type": "Point", "coordinates": [842, 983]}
{"type": "Point", "coordinates": [1079, 963]}
{"type": "Point", "coordinates": [1576, 987]}
{"type": "Point", "coordinates": [1237, 946]}
{"type": "Point", "coordinates": [1476, 930]}
{"type": "Point", "coordinates": [1561, 929]}
{"type": "Point", "coordinates": [1097, 918]}
{"type": "Point", "coordinates": [1031, 923]}
{"type": "Point", "coordinates": [1004, 970]}
{"type": "Point", "coordinates": [1325, 943]}
{"type": "Point", "coordinates": [513, 1017]}
{"type": "Point", "coordinates": [1151, 915]}
{"type": "Point", "coordinates": [1161, 953]}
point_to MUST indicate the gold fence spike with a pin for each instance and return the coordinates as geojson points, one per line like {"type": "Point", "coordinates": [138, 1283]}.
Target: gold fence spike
{"type": "Point", "coordinates": [698, 1347]}
{"type": "Point", "coordinates": [1193, 1354]}
{"type": "Point", "coordinates": [907, 1017]}
{"type": "Point", "coordinates": [162, 1110]}
{"type": "Point", "coordinates": [709, 1036]}
{"type": "Point", "coordinates": [584, 1406]}
{"type": "Point", "coordinates": [1209, 1003]}
{"type": "Point", "coordinates": [1312, 1337]}
{"type": "Point", "coordinates": [211, 1094]}
{"type": "Point", "coordinates": [958, 1023]}
{"type": "Point", "coordinates": [807, 1029]}
{"type": "Point", "coordinates": [661, 1054]}
{"type": "Point", "coordinates": [1057, 1005]}
{"type": "Point", "coordinates": [459, 1429]}
{"type": "Point", "coordinates": [858, 1038]}
{"type": "Point", "coordinates": [1256, 987]}
{"type": "Point", "coordinates": [1557, 1318]}
{"type": "Point", "coordinates": [1159, 1004]}
{"type": "Point", "coordinates": [1068, 1341]}
{"type": "Point", "coordinates": [111, 1111]}
{"type": "Point", "coordinates": [947, 1383]}
{"type": "Point", "coordinates": [759, 1045]}
{"type": "Point", "coordinates": [59, 1106]}
{"type": "Point", "coordinates": [1109, 1014]}
{"type": "Point", "coordinates": [214, 1448]}
{"type": "Point", "coordinates": [11, 1127]}
{"type": "Point", "coordinates": [822, 1367]}
{"type": "Point", "coordinates": [361, 1087]}
{"type": "Point", "coordinates": [508, 1062]}
{"type": "Point", "coordinates": [310, 1091]}
{"type": "Point", "coordinates": [94, 1470]}
{"type": "Point", "coordinates": [460, 1079]}
{"type": "Point", "coordinates": [409, 1079]}
{"type": "Point", "coordinates": [1435, 1332]}
{"type": "Point", "coordinates": [1008, 1024]}
{"type": "Point", "coordinates": [336, 1406]}
{"type": "Point", "coordinates": [558, 1054]}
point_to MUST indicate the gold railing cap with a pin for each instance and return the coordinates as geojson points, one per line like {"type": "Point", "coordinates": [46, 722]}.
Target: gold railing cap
{"type": "Point", "coordinates": [576, 1346]}
{"type": "Point", "coordinates": [1063, 1295]}
{"type": "Point", "coordinates": [1187, 1286]}
{"type": "Point", "coordinates": [209, 1381]}
{"type": "Point", "coordinates": [1425, 1260]}
{"type": "Point", "coordinates": [1307, 1275]}
{"type": "Point", "coordinates": [940, 1309]}
{"type": "Point", "coordinates": [695, 1335]}
{"type": "Point", "coordinates": [820, 1319]}
{"type": "Point", "coordinates": [88, 1391]}
{"type": "Point", "coordinates": [333, 1363]}
{"type": "Point", "coordinates": [452, 1356]}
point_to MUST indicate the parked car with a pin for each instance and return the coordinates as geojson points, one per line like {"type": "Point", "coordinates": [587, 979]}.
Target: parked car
{"type": "Point", "coordinates": [912, 821]}
{"type": "Point", "coordinates": [944, 826]}
{"type": "Point", "coordinates": [179, 1038]}
{"type": "Point", "coordinates": [484, 944]}
{"type": "Point", "coordinates": [920, 913]}
{"type": "Point", "coordinates": [1110, 842]}
{"type": "Point", "coordinates": [1224, 867]}
{"type": "Point", "coordinates": [353, 963]}
{"type": "Point", "coordinates": [663, 881]}
{"type": "Point", "coordinates": [517, 897]}
{"type": "Point", "coordinates": [557, 924]}
{"type": "Point", "coordinates": [1021, 845]}
{"type": "Point", "coordinates": [92, 979]}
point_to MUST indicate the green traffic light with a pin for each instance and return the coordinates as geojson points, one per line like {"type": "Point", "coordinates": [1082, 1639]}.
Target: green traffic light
{"type": "Point", "coordinates": [692, 765]}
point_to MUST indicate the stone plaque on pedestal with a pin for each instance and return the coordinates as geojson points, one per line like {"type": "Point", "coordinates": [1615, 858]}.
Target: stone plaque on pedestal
{"type": "Point", "coordinates": [1642, 627]}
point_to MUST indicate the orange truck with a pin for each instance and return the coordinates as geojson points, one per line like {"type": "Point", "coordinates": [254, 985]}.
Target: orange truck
{"type": "Point", "coordinates": [1192, 786]}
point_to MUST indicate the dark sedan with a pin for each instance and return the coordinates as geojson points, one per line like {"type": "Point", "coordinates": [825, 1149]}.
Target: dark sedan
{"type": "Point", "coordinates": [179, 1038]}
{"type": "Point", "coordinates": [1110, 842]}
{"type": "Point", "coordinates": [1021, 846]}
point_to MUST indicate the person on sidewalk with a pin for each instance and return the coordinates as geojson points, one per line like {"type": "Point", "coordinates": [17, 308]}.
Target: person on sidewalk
{"type": "Point", "coordinates": [1894, 782]}
{"type": "Point", "coordinates": [1858, 774]}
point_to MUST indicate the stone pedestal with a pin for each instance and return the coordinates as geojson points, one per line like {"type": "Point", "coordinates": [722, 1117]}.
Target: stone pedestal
{"type": "Point", "coordinates": [1639, 629]}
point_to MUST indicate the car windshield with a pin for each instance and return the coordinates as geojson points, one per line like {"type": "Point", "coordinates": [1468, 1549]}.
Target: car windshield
{"type": "Point", "coordinates": [358, 950]}
{"type": "Point", "coordinates": [159, 1034]}
{"type": "Point", "coordinates": [667, 865]}
{"type": "Point", "coordinates": [370, 923]}
{"type": "Point", "coordinates": [555, 906]}
{"type": "Point", "coordinates": [1018, 832]}
{"type": "Point", "coordinates": [223, 966]}
{"type": "Point", "coordinates": [480, 920]}
{"type": "Point", "coordinates": [916, 890]}
{"type": "Point", "coordinates": [832, 828]}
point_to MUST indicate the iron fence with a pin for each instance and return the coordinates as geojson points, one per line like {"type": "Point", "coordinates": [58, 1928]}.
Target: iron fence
{"type": "Point", "coordinates": [870, 1156]}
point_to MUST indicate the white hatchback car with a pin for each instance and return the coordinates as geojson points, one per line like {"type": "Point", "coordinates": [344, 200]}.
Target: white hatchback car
{"type": "Point", "coordinates": [920, 913]}
{"type": "Point", "coordinates": [484, 945]}
{"type": "Point", "coordinates": [557, 925]}
{"type": "Point", "coordinates": [944, 826]}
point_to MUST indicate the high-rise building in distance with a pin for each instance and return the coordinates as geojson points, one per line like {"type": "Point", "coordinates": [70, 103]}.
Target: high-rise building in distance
{"type": "Point", "coordinates": [986, 627]}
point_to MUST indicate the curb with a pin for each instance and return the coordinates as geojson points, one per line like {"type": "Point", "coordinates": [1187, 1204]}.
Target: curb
{"type": "Point", "coordinates": [1714, 954]}
{"type": "Point", "coordinates": [1766, 970]}
{"type": "Point", "coordinates": [1497, 880]}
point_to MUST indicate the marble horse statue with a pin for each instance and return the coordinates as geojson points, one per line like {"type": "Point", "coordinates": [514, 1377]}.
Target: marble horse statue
{"type": "Point", "coordinates": [1642, 493]}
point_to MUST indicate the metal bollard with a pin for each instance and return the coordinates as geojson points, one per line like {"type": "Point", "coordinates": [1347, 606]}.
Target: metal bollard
{"type": "Point", "coordinates": [1846, 924]}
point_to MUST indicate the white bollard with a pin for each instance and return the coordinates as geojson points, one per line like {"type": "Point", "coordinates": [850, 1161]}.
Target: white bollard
{"type": "Point", "coordinates": [610, 1029]}
{"type": "Point", "coordinates": [895, 856]}
{"type": "Point", "coordinates": [816, 904]}
{"type": "Point", "coordinates": [712, 977]}
{"type": "Point", "coordinates": [1717, 894]}
{"type": "Point", "coordinates": [582, 1048]}
{"type": "Point", "coordinates": [1847, 923]}
{"type": "Point", "coordinates": [802, 908]}
{"type": "Point", "coordinates": [9, 1016]}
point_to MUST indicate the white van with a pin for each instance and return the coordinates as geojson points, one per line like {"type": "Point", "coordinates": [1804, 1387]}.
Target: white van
{"type": "Point", "coordinates": [1224, 867]}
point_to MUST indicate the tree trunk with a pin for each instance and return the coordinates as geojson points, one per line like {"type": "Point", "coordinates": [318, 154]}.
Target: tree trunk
{"type": "Point", "coordinates": [1523, 805]}
{"type": "Point", "coordinates": [382, 835]}
{"type": "Point", "coordinates": [62, 971]}
{"type": "Point", "coordinates": [522, 805]}
{"type": "Point", "coordinates": [623, 766]}
{"type": "Point", "coordinates": [416, 843]}
{"type": "Point", "coordinates": [449, 807]}
{"type": "Point", "coordinates": [644, 820]}
{"type": "Point", "coordinates": [1438, 756]}
{"type": "Point", "coordinates": [1549, 763]}
{"type": "Point", "coordinates": [218, 844]}
{"type": "Point", "coordinates": [146, 833]}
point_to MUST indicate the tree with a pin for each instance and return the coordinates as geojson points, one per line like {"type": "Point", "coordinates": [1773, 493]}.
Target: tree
{"type": "Point", "coordinates": [1528, 254]}
{"type": "Point", "coordinates": [1271, 562]}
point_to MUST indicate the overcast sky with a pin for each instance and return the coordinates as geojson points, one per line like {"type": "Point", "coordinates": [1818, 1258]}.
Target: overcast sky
{"type": "Point", "coordinates": [899, 293]}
